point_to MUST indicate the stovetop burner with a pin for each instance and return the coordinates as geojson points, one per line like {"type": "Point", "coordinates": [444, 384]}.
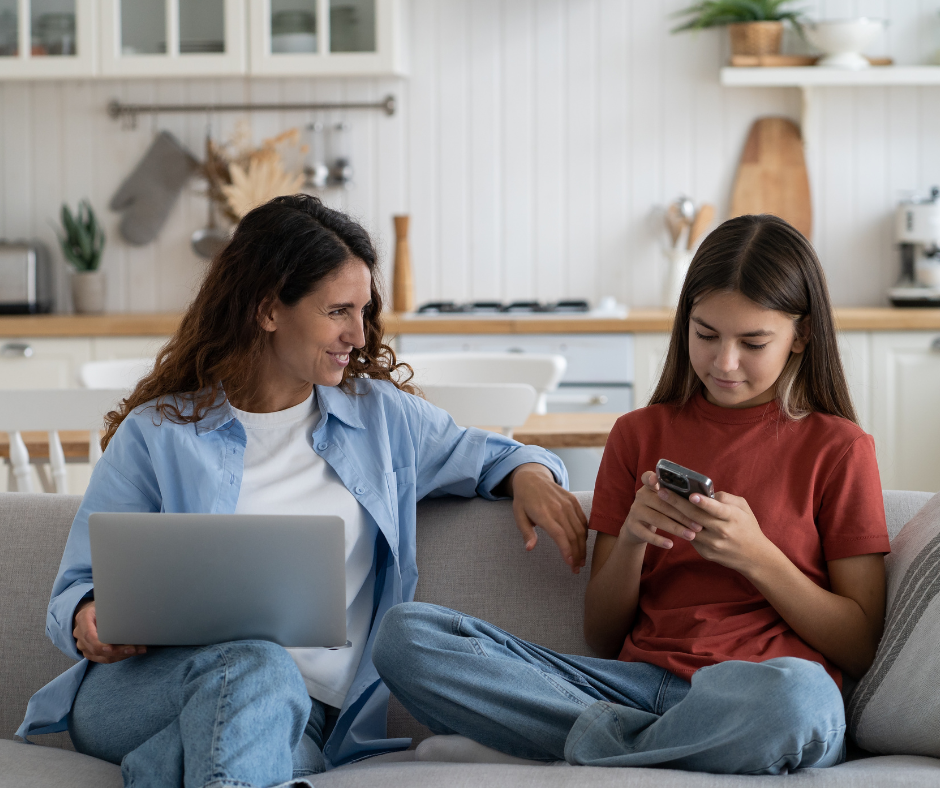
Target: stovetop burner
{"type": "Point", "coordinates": [497, 307]}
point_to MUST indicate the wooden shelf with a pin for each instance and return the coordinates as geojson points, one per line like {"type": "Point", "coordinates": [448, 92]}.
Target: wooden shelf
{"type": "Point", "coordinates": [813, 76]}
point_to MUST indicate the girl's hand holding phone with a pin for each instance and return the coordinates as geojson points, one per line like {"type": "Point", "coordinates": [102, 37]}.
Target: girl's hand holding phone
{"type": "Point", "coordinates": [653, 519]}
{"type": "Point", "coordinates": [728, 532]}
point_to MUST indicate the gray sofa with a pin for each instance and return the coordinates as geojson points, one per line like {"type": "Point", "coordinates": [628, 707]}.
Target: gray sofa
{"type": "Point", "coordinates": [470, 557]}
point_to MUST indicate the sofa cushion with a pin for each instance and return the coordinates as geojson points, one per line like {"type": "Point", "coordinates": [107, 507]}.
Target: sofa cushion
{"type": "Point", "coordinates": [30, 766]}
{"type": "Point", "coordinates": [471, 558]}
{"type": "Point", "coordinates": [895, 771]}
{"type": "Point", "coordinates": [896, 706]}
{"type": "Point", "coordinates": [33, 530]}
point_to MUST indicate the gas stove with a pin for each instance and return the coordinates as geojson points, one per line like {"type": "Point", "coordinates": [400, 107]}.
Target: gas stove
{"type": "Point", "coordinates": [497, 307]}
{"type": "Point", "coordinates": [572, 308]}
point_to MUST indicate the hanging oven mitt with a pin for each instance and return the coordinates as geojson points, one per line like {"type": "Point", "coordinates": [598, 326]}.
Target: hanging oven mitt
{"type": "Point", "coordinates": [148, 193]}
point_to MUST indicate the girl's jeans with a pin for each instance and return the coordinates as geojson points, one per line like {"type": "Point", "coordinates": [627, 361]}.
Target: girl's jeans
{"type": "Point", "coordinates": [235, 714]}
{"type": "Point", "coordinates": [457, 674]}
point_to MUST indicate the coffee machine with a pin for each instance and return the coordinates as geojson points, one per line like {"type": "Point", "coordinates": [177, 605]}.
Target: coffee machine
{"type": "Point", "coordinates": [917, 227]}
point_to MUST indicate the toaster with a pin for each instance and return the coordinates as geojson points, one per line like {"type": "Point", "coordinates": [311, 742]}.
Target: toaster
{"type": "Point", "coordinates": [25, 278]}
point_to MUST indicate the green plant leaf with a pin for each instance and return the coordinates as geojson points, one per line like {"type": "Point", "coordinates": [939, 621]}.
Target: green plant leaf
{"type": "Point", "coordinates": [83, 240]}
{"type": "Point", "coordinates": [715, 13]}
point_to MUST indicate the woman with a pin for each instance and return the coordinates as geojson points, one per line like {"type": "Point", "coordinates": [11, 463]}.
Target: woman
{"type": "Point", "coordinates": [275, 395]}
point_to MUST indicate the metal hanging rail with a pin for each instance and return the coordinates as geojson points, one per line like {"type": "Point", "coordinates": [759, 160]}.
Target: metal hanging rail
{"type": "Point", "coordinates": [129, 112]}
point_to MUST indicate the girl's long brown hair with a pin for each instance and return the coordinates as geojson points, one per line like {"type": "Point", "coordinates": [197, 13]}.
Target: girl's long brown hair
{"type": "Point", "coordinates": [772, 264]}
{"type": "Point", "coordinates": [282, 249]}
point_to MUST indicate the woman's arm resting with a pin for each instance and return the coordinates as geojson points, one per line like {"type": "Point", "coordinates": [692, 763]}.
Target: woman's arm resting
{"type": "Point", "coordinates": [538, 500]}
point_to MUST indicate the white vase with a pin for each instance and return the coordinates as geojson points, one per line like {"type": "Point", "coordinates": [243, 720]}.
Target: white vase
{"type": "Point", "coordinates": [88, 292]}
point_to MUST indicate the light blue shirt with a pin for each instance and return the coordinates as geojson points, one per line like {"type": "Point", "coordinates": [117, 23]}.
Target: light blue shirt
{"type": "Point", "coordinates": [389, 448]}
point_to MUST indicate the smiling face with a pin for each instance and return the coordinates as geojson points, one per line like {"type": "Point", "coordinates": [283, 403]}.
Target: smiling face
{"type": "Point", "coordinates": [738, 348]}
{"type": "Point", "coordinates": [310, 342]}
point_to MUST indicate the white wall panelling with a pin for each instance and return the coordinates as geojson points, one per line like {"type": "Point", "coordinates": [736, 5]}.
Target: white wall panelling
{"type": "Point", "coordinates": [534, 141]}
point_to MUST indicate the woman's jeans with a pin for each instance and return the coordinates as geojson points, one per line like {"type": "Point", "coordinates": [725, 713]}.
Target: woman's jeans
{"type": "Point", "coordinates": [234, 714]}
{"type": "Point", "coordinates": [457, 674]}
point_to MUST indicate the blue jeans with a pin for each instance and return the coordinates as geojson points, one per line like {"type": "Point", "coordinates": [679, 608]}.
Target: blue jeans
{"type": "Point", "coordinates": [234, 714]}
{"type": "Point", "coordinates": [457, 674]}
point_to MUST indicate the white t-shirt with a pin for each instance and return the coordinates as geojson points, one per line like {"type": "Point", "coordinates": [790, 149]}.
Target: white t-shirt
{"type": "Point", "coordinates": [284, 475]}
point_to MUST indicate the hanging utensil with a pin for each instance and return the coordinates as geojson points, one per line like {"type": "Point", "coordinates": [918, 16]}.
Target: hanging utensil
{"type": "Point", "coordinates": [208, 241]}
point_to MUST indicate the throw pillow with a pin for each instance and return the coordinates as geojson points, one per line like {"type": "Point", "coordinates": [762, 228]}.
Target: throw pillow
{"type": "Point", "coordinates": [895, 708]}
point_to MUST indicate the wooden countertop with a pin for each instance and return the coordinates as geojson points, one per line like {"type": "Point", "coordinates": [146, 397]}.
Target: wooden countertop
{"type": "Point", "coordinates": [637, 321]}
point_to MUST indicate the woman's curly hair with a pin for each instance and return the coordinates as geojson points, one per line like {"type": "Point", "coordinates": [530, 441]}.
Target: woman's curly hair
{"type": "Point", "coordinates": [282, 249]}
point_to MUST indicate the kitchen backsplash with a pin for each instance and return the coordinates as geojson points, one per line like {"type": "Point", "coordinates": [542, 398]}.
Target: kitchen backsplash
{"type": "Point", "coordinates": [534, 141]}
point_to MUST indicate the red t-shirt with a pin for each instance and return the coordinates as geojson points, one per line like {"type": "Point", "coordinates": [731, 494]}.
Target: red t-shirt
{"type": "Point", "coordinates": [813, 486]}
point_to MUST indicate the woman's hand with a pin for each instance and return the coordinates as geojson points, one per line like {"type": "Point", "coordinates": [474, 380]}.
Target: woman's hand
{"type": "Point", "coordinates": [538, 500]}
{"type": "Point", "coordinates": [651, 513]}
{"type": "Point", "coordinates": [728, 532]}
{"type": "Point", "coordinates": [85, 632]}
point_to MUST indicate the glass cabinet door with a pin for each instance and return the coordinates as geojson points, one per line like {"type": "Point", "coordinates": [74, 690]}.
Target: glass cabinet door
{"type": "Point", "coordinates": [352, 26]}
{"type": "Point", "coordinates": [293, 27]}
{"type": "Point", "coordinates": [47, 38]}
{"type": "Point", "coordinates": [173, 37]}
{"type": "Point", "coordinates": [325, 37]}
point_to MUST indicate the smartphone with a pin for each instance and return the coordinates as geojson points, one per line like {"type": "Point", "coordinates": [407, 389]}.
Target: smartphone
{"type": "Point", "coordinates": [682, 480]}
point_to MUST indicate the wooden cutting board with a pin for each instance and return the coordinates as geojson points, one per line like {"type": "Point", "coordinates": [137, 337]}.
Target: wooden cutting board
{"type": "Point", "coordinates": [772, 175]}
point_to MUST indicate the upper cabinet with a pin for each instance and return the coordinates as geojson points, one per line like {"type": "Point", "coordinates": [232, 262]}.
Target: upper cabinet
{"type": "Point", "coordinates": [156, 38]}
{"type": "Point", "coordinates": [182, 38]}
{"type": "Point", "coordinates": [293, 37]}
{"type": "Point", "coordinates": [48, 38]}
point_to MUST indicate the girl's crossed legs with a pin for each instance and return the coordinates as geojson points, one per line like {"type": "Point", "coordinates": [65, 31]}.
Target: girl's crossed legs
{"type": "Point", "coordinates": [212, 717]}
{"type": "Point", "coordinates": [457, 674]}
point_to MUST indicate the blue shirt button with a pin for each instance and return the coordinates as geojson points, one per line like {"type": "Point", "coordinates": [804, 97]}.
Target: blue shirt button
{"type": "Point", "coordinates": [360, 490]}
{"type": "Point", "coordinates": [323, 446]}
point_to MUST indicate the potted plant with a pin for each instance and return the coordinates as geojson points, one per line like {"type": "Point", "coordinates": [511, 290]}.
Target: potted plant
{"type": "Point", "coordinates": [756, 26]}
{"type": "Point", "coordinates": [82, 244]}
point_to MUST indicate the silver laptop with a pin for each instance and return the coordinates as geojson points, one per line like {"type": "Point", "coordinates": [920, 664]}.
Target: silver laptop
{"type": "Point", "coordinates": [197, 579]}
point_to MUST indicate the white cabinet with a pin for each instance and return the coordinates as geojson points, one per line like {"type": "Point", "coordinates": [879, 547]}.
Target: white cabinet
{"type": "Point", "coordinates": [54, 363]}
{"type": "Point", "coordinates": [110, 348]}
{"type": "Point", "coordinates": [42, 363]}
{"type": "Point", "coordinates": [906, 408]}
{"type": "Point", "coordinates": [196, 38]}
{"type": "Point", "coordinates": [305, 37]}
{"type": "Point", "coordinates": [48, 39]}
{"type": "Point", "coordinates": [650, 352]}
{"type": "Point", "coordinates": [855, 350]}
{"type": "Point", "coordinates": [172, 37]}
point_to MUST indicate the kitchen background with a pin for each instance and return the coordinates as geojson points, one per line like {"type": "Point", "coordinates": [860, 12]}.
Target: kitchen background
{"type": "Point", "coordinates": [534, 143]}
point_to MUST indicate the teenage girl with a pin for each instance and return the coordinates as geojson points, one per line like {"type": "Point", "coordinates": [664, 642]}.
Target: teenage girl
{"type": "Point", "coordinates": [726, 624]}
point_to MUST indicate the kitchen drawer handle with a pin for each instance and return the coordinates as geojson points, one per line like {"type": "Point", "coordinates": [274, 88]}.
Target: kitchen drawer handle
{"type": "Point", "coordinates": [935, 345]}
{"type": "Point", "coordinates": [16, 350]}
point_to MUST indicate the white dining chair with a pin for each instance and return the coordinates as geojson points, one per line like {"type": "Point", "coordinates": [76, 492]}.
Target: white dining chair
{"type": "Point", "coordinates": [503, 406]}
{"type": "Point", "coordinates": [542, 371]}
{"type": "Point", "coordinates": [52, 410]}
{"type": "Point", "coordinates": [117, 373]}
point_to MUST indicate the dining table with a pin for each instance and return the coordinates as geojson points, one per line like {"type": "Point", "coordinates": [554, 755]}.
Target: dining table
{"type": "Point", "coordinates": [549, 430]}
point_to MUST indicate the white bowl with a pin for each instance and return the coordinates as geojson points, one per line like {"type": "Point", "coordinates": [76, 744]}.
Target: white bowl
{"type": "Point", "coordinates": [284, 43]}
{"type": "Point", "coordinates": [842, 41]}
